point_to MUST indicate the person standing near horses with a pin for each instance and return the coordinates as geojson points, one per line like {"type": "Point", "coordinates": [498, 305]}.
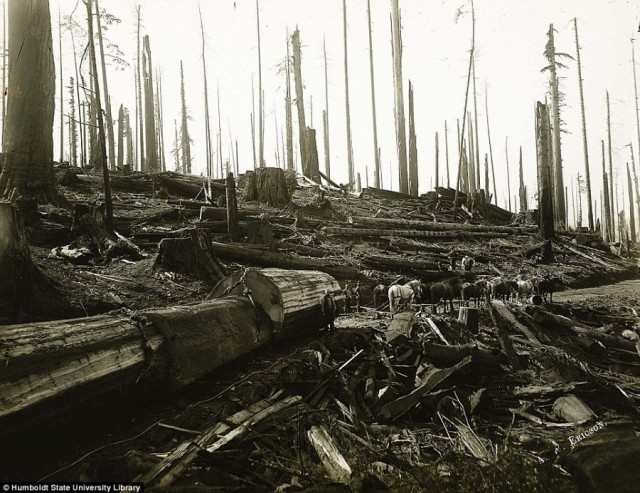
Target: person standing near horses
{"type": "Point", "coordinates": [328, 309]}
{"type": "Point", "coordinates": [348, 295]}
{"type": "Point", "coordinates": [357, 296]}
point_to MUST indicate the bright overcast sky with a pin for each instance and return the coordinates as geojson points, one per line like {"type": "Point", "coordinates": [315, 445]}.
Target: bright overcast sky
{"type": "Point", "coordinates": [510, 39]}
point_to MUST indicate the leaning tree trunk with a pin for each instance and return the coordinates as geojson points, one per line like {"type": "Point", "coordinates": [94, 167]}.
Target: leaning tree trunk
{"type": "Point", "coordinates": [28, 133]}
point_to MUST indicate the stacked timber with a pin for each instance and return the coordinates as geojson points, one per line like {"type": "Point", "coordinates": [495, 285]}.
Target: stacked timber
{"type": "Point", "coordinates": [291, 298]}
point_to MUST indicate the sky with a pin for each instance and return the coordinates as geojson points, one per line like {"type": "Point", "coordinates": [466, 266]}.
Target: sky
{"type": "Point", "coordinates": [510, 40]}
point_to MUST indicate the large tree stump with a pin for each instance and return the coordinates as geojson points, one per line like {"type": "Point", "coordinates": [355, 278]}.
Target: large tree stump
{"type": "Point", "coordinates": [269, 186]}
{"type": "Point", "coordinates": [193, 256]}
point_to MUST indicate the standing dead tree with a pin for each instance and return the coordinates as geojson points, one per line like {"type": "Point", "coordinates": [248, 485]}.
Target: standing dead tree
{"type": "Point", "coordinates": [101, 132]}
{"type": "Point", "coordinates": [260, 95]}
{"type": "Point", "coordinates": [207, 121]}
{"type": "Point", "coordinates": [396, 32]}
{"type": "Point", "coordinates": [346, 96]}
{"type": "Point", "coordinates": [28, 155]}
{"type": "Point", "coordinates": [121, 132]}
{"type": "Point", "coordinates": [73, 130]}
{"type": "Point", "coordinates": [143, 165]}
{"type": "Point", "coordinates": [289, 116]}
{"type": "Point", "coordinates": [446, 151]}
{"type": "Point", "coordinates": [545, 199]}
{"type": "Point", "coordinates": [466, 100]}
{"type": "Point", "coordinates": [185, 140]}
{"type": "Point", "coordinates": [632, 212]}
{"type": "Point", "coordinates": [558, 180]}
{"type": "Point", "coordinates": [493, 171]}
{"type": "Point", "coordinates": [584, 131]}
{"type": "Point", "coordinates": [523, 188]}
{"type": "Point", "coordinates": [149, 108]}
{"type": "Point", "coordinates": [608, 230]}
{"type": "Point", "coordinates": [376, 178]}
{"type": "Point", "coordinates": [413, 148]}
{"type": "Point", "coordinates": [506, 153]}
{"type": "Point", "coordinates": [612, 197]}
{"type": "Point", "coordinates": [105, 86]}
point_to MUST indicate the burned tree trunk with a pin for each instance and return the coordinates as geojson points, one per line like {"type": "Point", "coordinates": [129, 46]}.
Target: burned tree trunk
{"type": "Point", "coordinates": [107, 99]}
{"type": "Point", "coordinates": [378, 172]}
{"type": "Point", "coordinates": [297, 77]}
{"type": "Point", "coordinates": [545, 200]}
{"type": "Point", "coordinates": [523, 189]}
{"type": "Point", "coordinates": [632, 207]}
{"type": "Point", "coordinates": [608, 232]}
{"type": "Point", "coordinates": [184, 130]}
{"type": "Point", "coordinates": [28, 154]}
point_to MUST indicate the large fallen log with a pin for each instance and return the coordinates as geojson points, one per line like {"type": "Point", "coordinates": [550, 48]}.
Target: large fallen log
{"type": "Point", "coordinates": [290, 298]}
{"type": "Point", "coordinates": [380, 223]}
{"type": "Point", "coordinates": [50, 367]}
{"type": "Point", "coordinates": [267, 258]}
{"type": "Point", "coordinates": [409, 233]}
{"type": "Point", "coordinates": [399, 264]}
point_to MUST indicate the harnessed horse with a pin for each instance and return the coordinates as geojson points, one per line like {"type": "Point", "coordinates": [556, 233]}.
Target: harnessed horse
{"type": "Point", "coordinates": [401, 295]}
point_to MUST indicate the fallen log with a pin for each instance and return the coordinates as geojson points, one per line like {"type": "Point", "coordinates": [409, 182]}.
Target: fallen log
{"type": "Point", "coordinates": [502, 311]}
{"type": "Point", "coordinates": [443, 355]}
{"type": "Point", "coordinates": [503, 335]}
{"type": "Point", "coordinates": [290, 298]}
{"type": "Point", "coordinates": [266, 258]}
{"type": "Point", "coordinates": [400, 326]}
{"type": "Point", "coordinates": [51, 367]}
{"type": "Point", "coordinates": [189, 187]}
{"type": "Point", "coordinates": [380, 223]}
{"type": "Point", "coordinates": [407, 265]}
{"type": "Point", "coordinates": [408, 233]}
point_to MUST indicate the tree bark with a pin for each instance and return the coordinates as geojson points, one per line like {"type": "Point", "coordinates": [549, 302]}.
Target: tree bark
{"type": "Point", "coordinates": [289, 117]}
{"type": "Point", "coordinates": [346, 97]}
{"type": "Point", "coordinates": [28, 155]}
{"type": "Point", "coordinates": [232, 208]}
{"type": "Point", "coordinates": [607, 227]}
{"type": "Point", "coordinates": [260, 95]}
{"type": "Point", "coordinates": [378, 171]}
{"type": "Point", "coordinates": [107, 99]}
{"type": "Point", "coordinates": [185, 139]}
{"type": "Point", "coordinates": [149, 109]}
{"type": "Point", "coordinates": [413, 148]}
{"type": "Point", "coordinates": [297, 77]}
{"type": "Point", "coordinates": [120, 137]}
{"type": "Point", "coordinates": [523, 189]}
{"type": "Point", "coordinates": [632, 207]}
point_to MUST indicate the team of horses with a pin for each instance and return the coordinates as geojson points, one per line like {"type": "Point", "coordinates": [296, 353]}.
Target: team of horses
{"type": "Point", "coordinates": [446, 291]}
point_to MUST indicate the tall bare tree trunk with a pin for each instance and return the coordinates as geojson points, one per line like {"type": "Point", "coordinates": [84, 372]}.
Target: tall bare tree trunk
{"type": "Point", "coordinates": [130, 162]}
{"type": "Point", "coordinates": [584, 130]}
{"type": "Point", "coordinates": [413, 148]}
{"type": "Point", "coordinates": [61, 88]}
{"type": "Point", "coordinates": [346, 97]}
{"type": "Point", "coordinates": [28, 155]}
{"type": "Point", "coordinates": [149, 108]}
{"type": "Point", "coordinates": [260, 94]}
{"type": "Point", "coordinates": [376, 178]}
{"type": "Point", "coordinates": [545, 199]}
{"type": "Point", "coordinates": [73, 129]}
{"type": "Point", "coordinates": [493, 171]}
{"type": "Point", "coordinates": [471, 156]}
{"type": "Point", "coordinates": [121, 137]}
{"type": "Point", "coordinates": [176, 150]}
{"type": "Point", "coordinates": [222, 172]}
{"type": "Point", "coordinates": [632, 207]}
{"type": "Point", "coordinates": [446, 151]}
{"type": "Point", "coordinates": [506, 152]}
{"type": "Point", "coordinates": [101, 131]}
{"type": "Point", "coordinates": [486, 178]}
{"type": "Point", "coordinates": [162, 154]}
{"type": "Point", "coordinates": [523, 189]}
{"type": "Point", "coordinates": [185, 139]}
{"type": "Point", "coordinates": [143, 164]}
{"type": "Point", "coordinates": [558, 180]}
{"type": "Point", "coordinates": [207, 126]}
{"type": "Point", "coordinates": [635, 89]}
{"type": "Point", "coordinates": [437, 173]}
{"type": "Point", "coordinates": [107, 99]}
{"type": "Point", "coordinates": [607, 227]}
{"type": "Point", "coordinates": [475, 124]}
{"type": "Point", "coordinates": [253, 124]}
{"type": "Point", "coordinates": [404, 185]}
{"type": "Point", "coordinates": [466, 101]}
{"type": "Point", "coordinates": [612, 197]}
{"type": "Point", "coordinates": [289, 116]}
{"type": "Point", "coordinates": [297, 77]}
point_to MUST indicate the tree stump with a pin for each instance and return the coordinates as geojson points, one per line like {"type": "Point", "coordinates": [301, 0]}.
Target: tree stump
{"type": "Point", "coordinates": [469, 317]}
{"type": "Point", "coordinates": [270, 187]}
{"type": "Point", "coordinates": [232, 208]}
{"type": "Point", "coordinates": [250, 191]}
{"type": "Point", "coordinates": [193, 256]}
{"type": "Point", "coordinates": [260, 232]}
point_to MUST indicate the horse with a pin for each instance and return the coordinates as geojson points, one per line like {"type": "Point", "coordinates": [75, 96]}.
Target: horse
{"type": "Point", "coordinates": [379, 293]}
{"type": "Point", "coordinates": [446, 290]}
{"type": "Point", "coordinates": [401, 295]}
